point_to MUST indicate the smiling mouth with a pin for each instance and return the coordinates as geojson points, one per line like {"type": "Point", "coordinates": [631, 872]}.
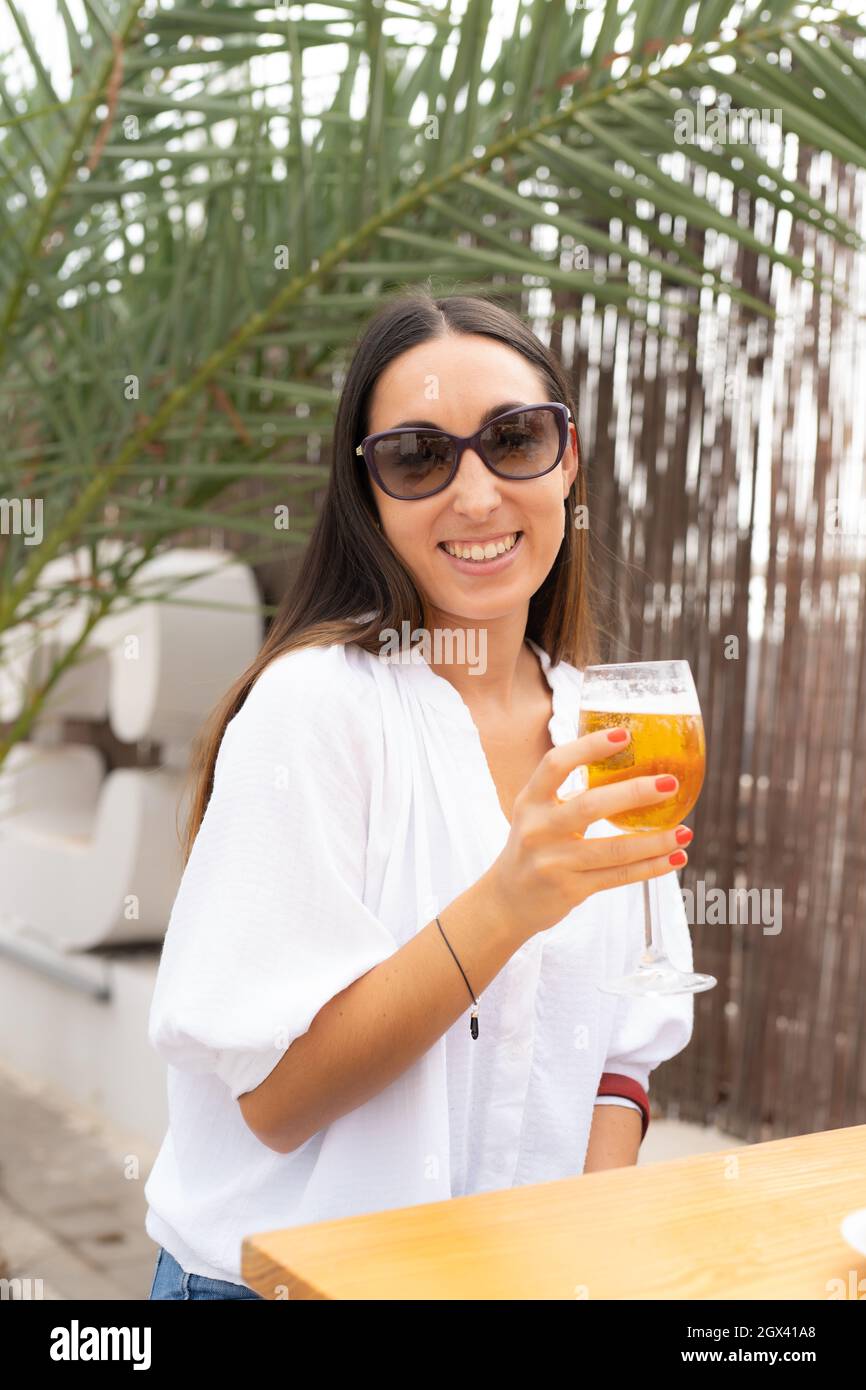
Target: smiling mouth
{"type": "Point", "coordinates": [481, 551]}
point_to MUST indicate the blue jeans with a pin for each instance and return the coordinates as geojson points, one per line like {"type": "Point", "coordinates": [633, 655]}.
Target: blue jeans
{"type": "Point", "coordinates": [171, 1281]}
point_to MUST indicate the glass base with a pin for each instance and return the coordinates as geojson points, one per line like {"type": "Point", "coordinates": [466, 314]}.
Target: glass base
{"type": "Point", "coordinates": [659, 978]}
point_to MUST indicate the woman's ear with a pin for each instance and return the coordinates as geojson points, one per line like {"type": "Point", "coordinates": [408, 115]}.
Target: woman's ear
{"type": "Point", "coordinates": [572, 459]}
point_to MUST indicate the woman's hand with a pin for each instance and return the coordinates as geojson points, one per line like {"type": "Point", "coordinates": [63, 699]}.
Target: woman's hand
{"type": "Point", "coordinates": [546, 868]}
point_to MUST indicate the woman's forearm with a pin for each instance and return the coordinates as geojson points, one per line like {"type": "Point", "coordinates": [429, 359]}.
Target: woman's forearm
{"type": "Point", "coordinates": [614, 1138]}
{"type": "Point", "coordinates": [370, 1032]}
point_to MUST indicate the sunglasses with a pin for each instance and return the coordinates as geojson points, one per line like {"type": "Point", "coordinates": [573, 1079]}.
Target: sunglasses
{"type": "Point", "coordinates": [415, 461]}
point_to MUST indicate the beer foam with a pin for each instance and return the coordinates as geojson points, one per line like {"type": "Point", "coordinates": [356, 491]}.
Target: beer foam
{"type": "Point", "coordinates": [645, 703]}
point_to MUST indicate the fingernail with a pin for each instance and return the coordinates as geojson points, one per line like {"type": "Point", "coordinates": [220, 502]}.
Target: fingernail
{"type": "Point", "coordinates": [618, 735]}
{"type": "Point", "coordinates": [683, 835]}
{"type": "Point", "coordinates": [666, 784]}
{"type": "Point", "coordinates": [678, 858]}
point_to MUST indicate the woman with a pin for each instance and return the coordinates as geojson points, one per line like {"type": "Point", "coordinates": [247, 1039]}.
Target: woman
{"type": "Point", "coordinates": [383, 841]}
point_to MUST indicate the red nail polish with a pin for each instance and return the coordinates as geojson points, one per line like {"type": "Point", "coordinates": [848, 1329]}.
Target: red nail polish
{"type": "Point", "coordinates": [618, 735]}
{"type": "Point", "coordinates": [666, 784]}
{"type": "Point", "coordinates": [684, 835]}
{"type": "Point", "coordinates": [678, 858]}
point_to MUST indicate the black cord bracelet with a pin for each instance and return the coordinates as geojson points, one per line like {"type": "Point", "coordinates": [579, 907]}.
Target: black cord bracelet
{"type": "Point", "coordinates": [473, 1019]}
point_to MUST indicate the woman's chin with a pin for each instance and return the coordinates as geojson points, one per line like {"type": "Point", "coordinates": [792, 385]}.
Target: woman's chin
{"type": "Point", "coordinates": [460, 608]}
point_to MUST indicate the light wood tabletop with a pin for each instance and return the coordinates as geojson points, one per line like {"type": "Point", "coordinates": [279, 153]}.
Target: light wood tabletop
{"type": "Point", "coordinates": [755, 1222]}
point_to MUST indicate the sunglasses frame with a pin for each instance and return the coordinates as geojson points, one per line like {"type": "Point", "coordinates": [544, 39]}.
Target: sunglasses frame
{"type": "Point", "coordinates": [365, 448]}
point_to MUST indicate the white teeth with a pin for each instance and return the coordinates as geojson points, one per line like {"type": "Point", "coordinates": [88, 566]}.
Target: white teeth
{"type": "Point", "coordinates": [481, 552]}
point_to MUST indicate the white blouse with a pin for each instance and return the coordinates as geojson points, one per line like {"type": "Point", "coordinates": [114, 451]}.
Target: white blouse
{"type": "Point", "coordinates": [352, 801]}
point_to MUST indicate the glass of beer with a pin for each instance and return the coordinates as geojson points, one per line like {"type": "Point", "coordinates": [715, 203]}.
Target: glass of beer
{"type": "Point", "coordinates": [658, 703]}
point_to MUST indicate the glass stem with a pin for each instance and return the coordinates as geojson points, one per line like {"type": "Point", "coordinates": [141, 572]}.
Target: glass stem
{"type": "Point", "coordinates": [652, 955]}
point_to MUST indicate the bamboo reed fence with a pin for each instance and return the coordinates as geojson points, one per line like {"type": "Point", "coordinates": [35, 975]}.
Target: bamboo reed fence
{"type": "Point", "coordinates": [728, 514]}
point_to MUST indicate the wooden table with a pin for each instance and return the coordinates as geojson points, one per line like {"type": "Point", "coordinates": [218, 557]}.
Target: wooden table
{"type": "Point", "coordinates": [757, 1222]}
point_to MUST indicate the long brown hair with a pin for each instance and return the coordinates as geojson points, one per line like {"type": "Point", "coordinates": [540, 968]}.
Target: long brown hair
{"type": "Point", "coordinates": [349, 567]}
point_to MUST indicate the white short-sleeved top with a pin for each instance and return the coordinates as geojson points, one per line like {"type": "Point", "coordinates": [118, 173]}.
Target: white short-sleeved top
{"type": "Point", "coordinates": [352, 801]}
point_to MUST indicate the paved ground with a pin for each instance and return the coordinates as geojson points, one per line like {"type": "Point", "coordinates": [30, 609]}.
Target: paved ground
{"type": "Point", "coordinates": [71, 1198]}
{"type": "Point", "coordinates": [72, 1193]}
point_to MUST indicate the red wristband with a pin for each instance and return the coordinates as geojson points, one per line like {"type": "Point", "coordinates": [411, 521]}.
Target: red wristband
{"type": "Point", "coordinates": [614, 1084]}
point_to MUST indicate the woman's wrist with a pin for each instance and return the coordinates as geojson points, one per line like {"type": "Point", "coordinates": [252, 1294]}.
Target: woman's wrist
{"type": "Point", "coordinates": [499, 912]}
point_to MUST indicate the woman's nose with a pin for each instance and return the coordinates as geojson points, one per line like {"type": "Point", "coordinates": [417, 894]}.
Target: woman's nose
{"type": "Point", "coordinates": [474, 484]}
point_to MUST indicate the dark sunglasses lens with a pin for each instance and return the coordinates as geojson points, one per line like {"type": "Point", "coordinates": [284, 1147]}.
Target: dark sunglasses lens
{"type": "Point", "coordinates": [414, 462]}
{"type": "Point", "coordinates": [524, 444]}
